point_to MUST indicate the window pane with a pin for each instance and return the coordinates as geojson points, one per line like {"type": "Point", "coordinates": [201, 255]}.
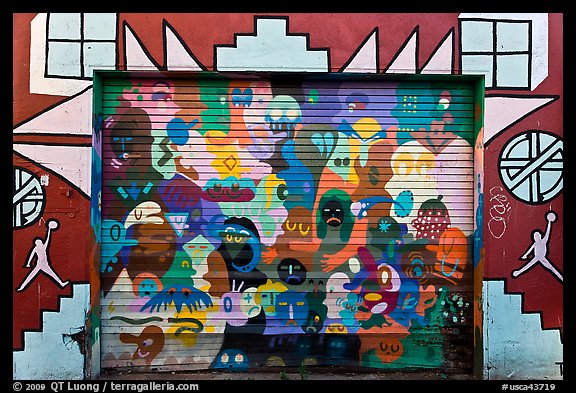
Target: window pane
{"type": "Point", "coordinates": [478, 64]}
{"type": "Point", "coordinates": [100, 26]}
{"type": "Point", "coordinates": [64, 26]}
{"type": "Point", "coordinates": [477, 36]}
{"type": "Point", "coordinates": [99, 55]}
{"type": "Point", "coordinates": [512, 37]}
{"type": "Point", "coordinates": [512, 71]}
{"type": "Point", "coordinates": [64, 59]}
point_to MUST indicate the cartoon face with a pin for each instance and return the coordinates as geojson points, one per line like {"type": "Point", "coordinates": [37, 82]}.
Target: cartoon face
{"type": "Point", "coordinates": [336, 294]}
{"type": "Point", "coordinates": [283, 114]}
{"type": "Point", "coordinates": [314, 322]}
{"type": "Point", "coordinates": [381, 296]}
{"type": "Point", "coordinates": [291, 271]}
{"type": "Point", "coordinates": [146, 285]}
{"type": "Point", "coordinates": [129, 139]}
{"type": "Point", "coordinates": [198, 249]}
{"type": "Point", "coordinates": [340, 159]}
{"type": "Point", "coordinates": [241, 248]}
{"type": "Point", "coordinates": [389, 349]}
{"type": "Point", "coordinates": [150, 343]}
{"type": "Point", "coordinates": [230, 189]}
{"type": "Point", "coordinates": [266, 296]}
{"type": "Point", "coordinates": [291, 308]}
{"type": "Point", "coordinates": [298, 227]}
{"type": "Point", "coordinates": [380, 284]}
{"type": "Point", "coordinates": [248, 304]}
{"type": "Point", "coordinates": [178, 295]}
{"type": "Point", "coordinates": [232, 360]}
{"type": "Point", "coordinates": [336, 346]}
{"type": "Point", "coordinates": [334, 215]}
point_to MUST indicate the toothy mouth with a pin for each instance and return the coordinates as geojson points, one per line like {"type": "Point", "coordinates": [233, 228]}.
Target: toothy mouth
{"type": "Point", "coordinates": [282, 126]}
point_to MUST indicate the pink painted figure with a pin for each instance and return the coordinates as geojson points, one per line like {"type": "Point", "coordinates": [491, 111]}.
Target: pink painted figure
{"type": "Point", "coordinates": [40, 250]}
{"type": "Point", "coordinates": [540, 248]}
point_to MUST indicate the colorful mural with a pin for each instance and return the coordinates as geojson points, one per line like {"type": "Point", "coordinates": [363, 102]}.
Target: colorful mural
{"type": "Point", "coordinates": [337, 213]}
{"type": "Point", "coordinates": [518, 191]}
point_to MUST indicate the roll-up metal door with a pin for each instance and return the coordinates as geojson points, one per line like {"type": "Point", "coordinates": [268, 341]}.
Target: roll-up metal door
{"type": "Point", "coordinates": [263, 220]}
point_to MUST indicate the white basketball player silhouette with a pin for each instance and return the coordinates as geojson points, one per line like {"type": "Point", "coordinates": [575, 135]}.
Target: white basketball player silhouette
{"type": "Point", "coordinates": [540, 248]}
{"type": "Point", "coordinates": [40, 250]}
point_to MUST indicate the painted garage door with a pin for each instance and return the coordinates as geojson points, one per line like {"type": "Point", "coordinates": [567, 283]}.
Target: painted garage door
{"type": "Point", "coordinates": [257, 220]}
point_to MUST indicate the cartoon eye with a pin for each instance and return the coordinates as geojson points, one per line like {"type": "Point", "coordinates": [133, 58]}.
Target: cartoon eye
{"type": "Point", "coordinates": [290, 228]}
{"type": "Point", "coordinates": [338, 162]}
{"type": "Point", "coordinates": [236, 97]}
{"type": "Point", "coordinates": [186, 291]}
{"type": "Point", "coordinates": [373, 175]}
{"type": "Point", "coordinates": [302, 231]}
{"type": "Point", "coordinates": [147, 342]}
{"type": "Point", "coordinates": [224, 358]}
{"type": "Point", "coordinates": [283, 303]}
{"type": "Point", "coordinates": [223, 100]}
{"type": "Point", "coordinates": [239, 358]}
{"type": "Point", "coordinates": [385, 276]}
{"type": "Point", "coordinates": [237, 239]}
{"type": "Point", "coordinates": [248, 96]}
{"type": "Point", "coordinates": [275, 114]}
{"type": "Point", "coordinates": [235, 187]}
{"type": "Point", "coordinates": [217, 187]}
{"type": "Point", "coordinates": [417, 267]}
{"type": "Point", "coordinates": [292, 114]}
{"type": "Point", "coordinates": [395, 348]}
{"type": "Point", "coordinates": [316, 319]}
{"type": "Point", "coordinates": [229, 238]}
{"type": "Point", "coordinates": [282, 192]}
{"type": "Point", "coordinates": [161, 96]}
{"type": "Point", "coordinates": [171, 291]}
{"type": "Point", "coordinates": [346, 161]}
{"type": "Point", "coordinates": [299, 303]}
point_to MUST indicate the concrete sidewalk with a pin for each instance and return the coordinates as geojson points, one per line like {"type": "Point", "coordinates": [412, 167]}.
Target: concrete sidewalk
{"type": "Point", "coordinates": [280, 375]}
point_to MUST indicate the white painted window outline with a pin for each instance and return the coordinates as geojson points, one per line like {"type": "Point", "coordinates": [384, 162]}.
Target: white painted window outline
{"type": "Point", "coordinates": [81, 41]}
{"type": "Point", "coordinates": [495, 53]}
